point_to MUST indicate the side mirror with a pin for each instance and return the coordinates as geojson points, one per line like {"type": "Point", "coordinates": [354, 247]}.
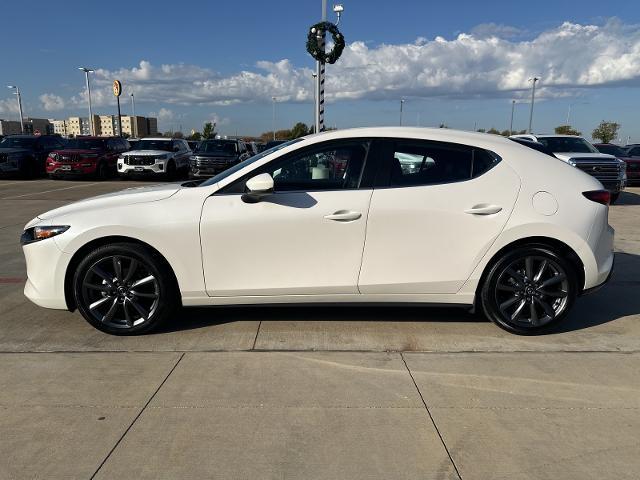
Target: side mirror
{"type": "Point", "coordinates": [257, 188]}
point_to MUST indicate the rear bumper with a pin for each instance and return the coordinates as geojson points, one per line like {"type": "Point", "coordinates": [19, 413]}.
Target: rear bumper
{"type": "Point", "coordinates": [606, 280]}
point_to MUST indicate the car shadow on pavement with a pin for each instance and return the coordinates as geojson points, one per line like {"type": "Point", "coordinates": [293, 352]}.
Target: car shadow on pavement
{"type": "Point", "coordinates": [628, 198]}
{"type": "Point", "coordinates": [615, 300]}
{"type": "Point", "coordinates": [618, 298]}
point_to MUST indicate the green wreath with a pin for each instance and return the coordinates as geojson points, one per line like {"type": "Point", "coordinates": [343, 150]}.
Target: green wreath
{"type": "Point", "coordinates": [313, 46]}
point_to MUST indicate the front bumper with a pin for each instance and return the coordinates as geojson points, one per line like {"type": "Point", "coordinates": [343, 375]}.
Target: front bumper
{"type": "Point", "coordinates": [157, 168]}
{"type": "Point", "coordinates": [614, 187]}
{"type": "Point", "coordinates": [46, 268]}
{"type": "Point", "coordinates": [202, 172]}
{"type": "Point", "coordinates": [77, 168]}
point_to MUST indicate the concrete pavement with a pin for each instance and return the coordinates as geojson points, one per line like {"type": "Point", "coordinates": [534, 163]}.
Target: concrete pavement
{"type": "Point", "coordinates": [330, 392]}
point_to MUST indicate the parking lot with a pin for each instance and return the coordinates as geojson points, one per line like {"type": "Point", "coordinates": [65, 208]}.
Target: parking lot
{"type": "Point", "coordinates": [316, 392]}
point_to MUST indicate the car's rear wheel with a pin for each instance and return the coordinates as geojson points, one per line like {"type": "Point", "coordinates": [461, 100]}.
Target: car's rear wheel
{"type": "Point", "coordinates": [124, 289]}
{"type": "Point", "coordinates": [529, 290]}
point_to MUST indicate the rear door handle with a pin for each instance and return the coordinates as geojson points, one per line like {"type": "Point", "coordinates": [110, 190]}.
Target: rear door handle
{"type": "Point", "coordinates": [344, 216]}
{"type": "Point", "coordinates": [484, 209]}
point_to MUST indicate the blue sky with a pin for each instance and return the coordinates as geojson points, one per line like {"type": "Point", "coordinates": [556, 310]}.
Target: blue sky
{"type": "Point", "coordinates": [459, 63]}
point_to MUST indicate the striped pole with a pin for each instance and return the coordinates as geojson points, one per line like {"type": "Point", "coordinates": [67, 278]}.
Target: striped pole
{"type": "Point", "coordinates": [320, 74]}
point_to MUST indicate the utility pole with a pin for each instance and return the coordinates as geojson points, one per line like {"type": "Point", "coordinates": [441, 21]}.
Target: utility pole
{"type": "Point", "coordinates": [274, 118]}
{"type": "Point", "coordinates": [17, 93]}
{"type": "Point", "coordinates": [134, 127]}
{"type": "Point", "coordinates": [320, 74]}
{"type": "Point", "coordinates": [401, 105]}
{"type": "Point", "coordinates": [513, 107]}
{"type": "Point", "coordinates": [533, 99]}
{"type": "Point", "coordinates": [86, 73]}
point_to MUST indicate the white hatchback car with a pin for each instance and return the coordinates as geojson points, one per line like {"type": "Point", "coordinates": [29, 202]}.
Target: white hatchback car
{"type": "Point", "coordinates": [433, 216]}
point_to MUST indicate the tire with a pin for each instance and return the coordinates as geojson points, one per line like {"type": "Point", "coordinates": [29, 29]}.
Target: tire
{"type": "Point", "coordinates": [171, 171]}
{"type": "Point", "coordinates": [28, 168]}
{"type": "Point", "coordinates": [529, 302]}
{"type": "Point", "coordinates": [106, 298]}
{"type": "Point", "coordinates": [614, 197]}
{"type": "Point", "coordinates": [102, 171]}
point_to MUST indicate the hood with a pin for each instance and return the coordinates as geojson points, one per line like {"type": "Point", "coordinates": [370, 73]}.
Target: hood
{"type": "Point", "coordinates": [14, 150]}
{"type": "Point", "coordinates": [602, 157]}
{"type": "Point", "coordinates": [214, 154]}
{"type": "Point", "coordinates": [78, 151]}
{"type": "Point", "coordinates": [122, 198]}
{"type": "Point", "coordinates": [146, 153]}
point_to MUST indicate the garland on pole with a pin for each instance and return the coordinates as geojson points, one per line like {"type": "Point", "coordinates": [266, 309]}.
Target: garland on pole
{"type": "Point", "coordinates": [313, 45]}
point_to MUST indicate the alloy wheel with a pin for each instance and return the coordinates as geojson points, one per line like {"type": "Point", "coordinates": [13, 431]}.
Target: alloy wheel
{"type": "Point", "coordinates": [532, 291]}
{"type": "Point", "coordinates": [120, 291]}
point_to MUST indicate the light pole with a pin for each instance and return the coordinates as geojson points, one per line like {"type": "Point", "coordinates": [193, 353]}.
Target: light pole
{"type": "Point", "coordinates": [401, 108]}
{"type": "Point", "coordinates": [314, 75]}
{"type": "Point", "coordinates": [274, 117]}
{"type": "Point", "coordinates": [513, 107]}
{"type": "Point", "coordinates": [133, 110]}
{"type": "Point", "coordinates": [17, 93]}
{"type": "Point", "coordinates": [86, 73]}
{"type": "Point", "coordinates": [533, 99]}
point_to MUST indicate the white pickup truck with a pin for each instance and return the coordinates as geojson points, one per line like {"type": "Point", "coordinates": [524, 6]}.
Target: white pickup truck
{"type": "Point", "coordinates": [576, 151]}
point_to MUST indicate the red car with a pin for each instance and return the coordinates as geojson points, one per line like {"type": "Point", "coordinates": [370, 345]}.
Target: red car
{"type": "Point", "coordinates": [630, 156]}
{"type": "Point", "coordinates": [87, 156]}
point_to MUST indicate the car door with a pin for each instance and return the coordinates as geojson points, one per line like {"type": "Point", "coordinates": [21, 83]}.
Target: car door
{"type": "Point", "coordinates": [435, 211]}
{"type": "Point", "coordinates": [304, 239]}
{"type": "Point", "coordinates": [112, 152]}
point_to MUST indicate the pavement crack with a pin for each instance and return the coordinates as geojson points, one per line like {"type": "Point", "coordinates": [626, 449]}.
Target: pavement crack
{"type": "Point", "coordinates": [124, 434]}
{"type": "Point", "coordinates": [426, 407]}
{"type": "Point", "coordinates": [256, 337]}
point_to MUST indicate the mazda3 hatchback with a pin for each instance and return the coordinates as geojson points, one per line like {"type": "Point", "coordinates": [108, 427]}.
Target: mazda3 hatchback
{"type": "Point", "coordinates": [370, 215]}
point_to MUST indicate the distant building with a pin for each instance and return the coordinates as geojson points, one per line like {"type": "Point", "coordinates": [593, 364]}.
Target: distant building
{"type": "Point", "coordinates": [41, 126]}
{"type": "Point", "coordinates": [137, 126]}
{"type": "Point", "coordinates": [9, 127]}
{"type": "Point", "coordinates": [77, 126]}
{"type": "Point", "coordinates": [59, 126]}
{"type": "Point", "coordinates": [107, 126]}
{"type": "Point", "coordinates": [152, 126]}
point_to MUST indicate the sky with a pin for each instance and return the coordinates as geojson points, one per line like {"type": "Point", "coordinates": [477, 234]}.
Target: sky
{"type": "Point", "coordinates": [460, 63]}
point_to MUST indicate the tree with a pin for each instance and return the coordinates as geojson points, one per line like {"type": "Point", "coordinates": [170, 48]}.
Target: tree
{"type": "Point", "coordinates": [178, 135]}
{"type": "Point", "coordinates": [481, 130]}
{"type": "Point", "coordinates": [505, 133]}
{"type": "Point", "coordinates": [299, 130]}
{"type": "Point", "coordinates": [494, 131]}
{"type": "Point", "coordinates": [196, 136]}
{"type": "Point", "coordinates": [208, 131]}
{"type": "Point", "coordinates": [567, 130]}
{"type": "Point", "coordinates": [606, 131]}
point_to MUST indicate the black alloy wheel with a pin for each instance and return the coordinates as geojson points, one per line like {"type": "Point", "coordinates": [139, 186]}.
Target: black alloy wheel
{"type": "Point", "coordinates": [529, 290]}
{"type": "Point", "coordinates": [123, 289]}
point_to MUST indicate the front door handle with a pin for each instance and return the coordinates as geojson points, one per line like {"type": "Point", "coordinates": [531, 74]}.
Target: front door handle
{"type": "Point", "coordinates": [344, 216]}
{"type": "Point", "coordinates": [484, 209]}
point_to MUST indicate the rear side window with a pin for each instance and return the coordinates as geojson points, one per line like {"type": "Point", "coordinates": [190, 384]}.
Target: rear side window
{"type": "Point", "coordinates": [430, 163]}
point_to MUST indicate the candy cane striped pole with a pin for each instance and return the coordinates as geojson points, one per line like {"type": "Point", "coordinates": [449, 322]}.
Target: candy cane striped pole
{"type": "Point", "coordinates": [320, 75]}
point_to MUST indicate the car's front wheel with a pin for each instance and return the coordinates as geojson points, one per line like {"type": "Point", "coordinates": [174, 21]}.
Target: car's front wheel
{"type": "Point", "coordinates": [529, 290]}
{"type": "Point", "coordinates": [124, 289]}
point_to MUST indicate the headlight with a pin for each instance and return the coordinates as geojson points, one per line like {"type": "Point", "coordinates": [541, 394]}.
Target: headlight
{"type": "Point", "coordinates": [162, 157]}
{"type": "Point", "coordinates": [572, 162]}
{"type": "Point", "coordinates": [53, 156]}
{"type": "Point", "coordinates": [623, 165]}
{"type": "Point", "coordinates": [35, 234]}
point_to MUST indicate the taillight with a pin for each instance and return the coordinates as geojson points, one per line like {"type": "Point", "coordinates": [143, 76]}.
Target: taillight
{"type": "Point", "coordinates": [598, 196]}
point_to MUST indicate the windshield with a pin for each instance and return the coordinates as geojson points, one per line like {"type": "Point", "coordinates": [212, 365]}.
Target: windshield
{"type": "Point", "coordinates": [224, 147]}
{"type": "Point", "coordinates": [612, 150]}
{"type": "Point", "coordinates": [85, 144]}
{"type": "Point", "coordinates": [248, 161]}
{"type": "Point", "coordinates": [17, 142]}
{"type": "Point", "coordinates": [154, 145]}
{"type": "Point", "coordinates": [567, 144]}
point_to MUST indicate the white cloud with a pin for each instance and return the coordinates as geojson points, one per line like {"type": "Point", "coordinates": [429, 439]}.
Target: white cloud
{"type": "Point", "coordinates": [487, 62]}
{"type": "Point", "coordinates": [8, 106]}
{"type": "Point", "coordinates": [51, 102]}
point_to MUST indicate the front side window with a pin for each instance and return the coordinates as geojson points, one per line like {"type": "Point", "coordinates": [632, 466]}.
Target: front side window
{"type": "Point", "coordinates": [567, 144]}
{"type": "Point", "coordinates": [328, 168]}
{"type": "Point", "coordinates": [165, 145]}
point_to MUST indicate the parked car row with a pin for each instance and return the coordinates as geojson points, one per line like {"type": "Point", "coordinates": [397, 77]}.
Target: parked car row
{"type": "Point", "coordinates": [102, 157]}
{"type": "Point", "coordinates": [609, 169]}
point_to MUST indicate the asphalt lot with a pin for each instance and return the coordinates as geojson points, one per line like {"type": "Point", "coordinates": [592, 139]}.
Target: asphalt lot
{"type": "Point", "coordinates": [331, 392]}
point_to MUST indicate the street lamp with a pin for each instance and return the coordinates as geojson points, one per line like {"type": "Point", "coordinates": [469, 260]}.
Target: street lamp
{"type": "Point", "coordinates": [133, 110]}
{"type": "Point", "coordinates": [17, 94]}
{"type": "Point", "coordinates": [274, 118]}
{"type": "Point", "coordinates": [86, 73]}
{"type": "Point", "coordinates": [401, 108]}
{"type": "Point", "coordinates": [533, 98]}
{"type": "Point", "coordinates": [513, 107]}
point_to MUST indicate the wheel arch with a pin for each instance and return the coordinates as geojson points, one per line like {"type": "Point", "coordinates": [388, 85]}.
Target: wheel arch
{"type": "Point", "coordinates": [99, 242]}
{"type": "Point", "coordinates": [559, 246]}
